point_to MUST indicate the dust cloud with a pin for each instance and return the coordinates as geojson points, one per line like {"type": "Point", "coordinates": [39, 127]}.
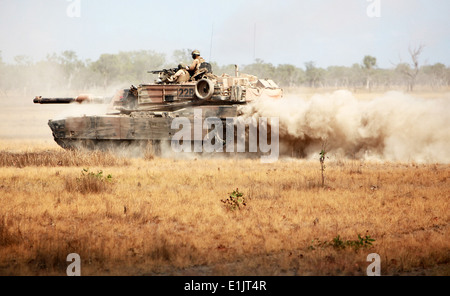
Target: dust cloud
{"type": "Point", "coordinates": [391, 127]}
{"type": "Point", "coordinates": [83, 109]}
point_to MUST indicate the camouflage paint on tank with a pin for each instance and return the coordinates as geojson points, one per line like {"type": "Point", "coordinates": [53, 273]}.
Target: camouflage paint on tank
{"type": "Point", "coordinates": [145, 113]}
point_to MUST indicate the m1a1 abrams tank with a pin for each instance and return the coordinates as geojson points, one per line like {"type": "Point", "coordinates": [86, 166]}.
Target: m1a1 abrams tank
{"type": "Point", "coordinates": [144, 114]}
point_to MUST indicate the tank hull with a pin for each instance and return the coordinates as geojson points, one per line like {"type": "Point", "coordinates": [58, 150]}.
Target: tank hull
{"type": "Point", "coordinates": [137, 128]}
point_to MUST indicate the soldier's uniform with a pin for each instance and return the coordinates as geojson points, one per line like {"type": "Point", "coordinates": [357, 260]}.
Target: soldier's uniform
{"type": "Point", "coordinates": [182, 75]}
{"type": "Point", "coordinates": [195, 66]}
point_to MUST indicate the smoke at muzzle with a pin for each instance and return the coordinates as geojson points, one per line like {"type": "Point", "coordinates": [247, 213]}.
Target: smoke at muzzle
{"type": "Point", "coordinates": [392, 127]}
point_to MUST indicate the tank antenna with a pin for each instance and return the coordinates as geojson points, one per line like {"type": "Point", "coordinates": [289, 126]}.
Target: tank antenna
{"type": "Point", "coordinates": [211, 44]}
{"type": "Point", "coordinates": [254, 43]}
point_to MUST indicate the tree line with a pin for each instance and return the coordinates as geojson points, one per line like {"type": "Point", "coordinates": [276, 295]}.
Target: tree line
{"type": "Point", "coordinates": [66, 71]}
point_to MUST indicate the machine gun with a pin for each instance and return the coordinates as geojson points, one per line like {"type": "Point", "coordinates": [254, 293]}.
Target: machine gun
{"type": "Point", "coordinates": [168, 71]}
{"type": "Point", "coordinates": [163, 75]}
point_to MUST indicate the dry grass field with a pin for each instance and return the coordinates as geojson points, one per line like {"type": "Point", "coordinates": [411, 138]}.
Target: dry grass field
{"type": "Point", "coordinates": [167, 216]}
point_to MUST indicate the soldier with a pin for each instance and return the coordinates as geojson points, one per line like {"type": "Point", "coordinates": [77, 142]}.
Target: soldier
{"type": "Point", "coordinates": [195, 66]}
{"type": "Point", "coordinates": [182, 75]}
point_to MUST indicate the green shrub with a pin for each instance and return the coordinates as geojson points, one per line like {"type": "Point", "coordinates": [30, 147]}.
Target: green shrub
{"type": "Point", "coordinates": [235, 201]}
{"type": "Point", "coordinates": [89, 182]}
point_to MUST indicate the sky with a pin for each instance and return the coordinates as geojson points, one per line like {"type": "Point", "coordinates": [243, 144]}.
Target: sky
{"type": "Point", "coordinates": [327, 32]}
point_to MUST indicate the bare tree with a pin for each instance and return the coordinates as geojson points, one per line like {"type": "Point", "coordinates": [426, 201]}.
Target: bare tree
{"type": "Point", "coordinates": [412, 70]}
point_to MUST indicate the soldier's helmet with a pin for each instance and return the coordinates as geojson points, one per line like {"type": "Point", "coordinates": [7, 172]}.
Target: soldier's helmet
{"type": "Point", "coordinates": [195, 53]}
{"type": "Point", "coordinates": [182, 66]}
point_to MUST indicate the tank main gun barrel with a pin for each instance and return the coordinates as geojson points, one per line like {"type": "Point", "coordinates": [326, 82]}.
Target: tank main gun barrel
{"type": "Point", "coordinates": [41, 100]}
{"type": "Point", "coordinates": [80, 99]}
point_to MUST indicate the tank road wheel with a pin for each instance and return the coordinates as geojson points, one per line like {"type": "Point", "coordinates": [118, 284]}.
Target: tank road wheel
{"type": "Point", "coordinates": [204, 89]}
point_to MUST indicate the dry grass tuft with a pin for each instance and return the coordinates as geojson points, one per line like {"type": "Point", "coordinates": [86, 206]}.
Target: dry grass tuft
{"type": "Point", "coordinates": [51, 158]}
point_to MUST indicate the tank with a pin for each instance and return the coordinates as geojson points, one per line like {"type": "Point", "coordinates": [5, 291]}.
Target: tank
{"type": "Point", "coordinates": [144, 115]}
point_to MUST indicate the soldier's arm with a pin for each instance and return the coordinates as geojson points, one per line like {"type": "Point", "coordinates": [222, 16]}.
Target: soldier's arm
{"type": "Point", "coordinates": [193, 65]}
{"type": "Point", "coordinates": [175, 76]}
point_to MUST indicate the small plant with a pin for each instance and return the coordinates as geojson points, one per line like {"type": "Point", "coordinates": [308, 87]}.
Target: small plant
{"type": "Point", "coordinates": [89, 182]}
{"type": "Point", "coordinates": [317, 243]}
{"type": "Point", "coordinates": [98, 175]}
{"type": "Point", "coordinates": [339, 244]}
{"type": "Point", "coordinates": [361, 242]}
{"type": "Point", "coordinates": [364, 241]}
{"type": "Point", "coordinates": [235, 201]}
{"type": "Point", "coordinates": [322, 155]}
